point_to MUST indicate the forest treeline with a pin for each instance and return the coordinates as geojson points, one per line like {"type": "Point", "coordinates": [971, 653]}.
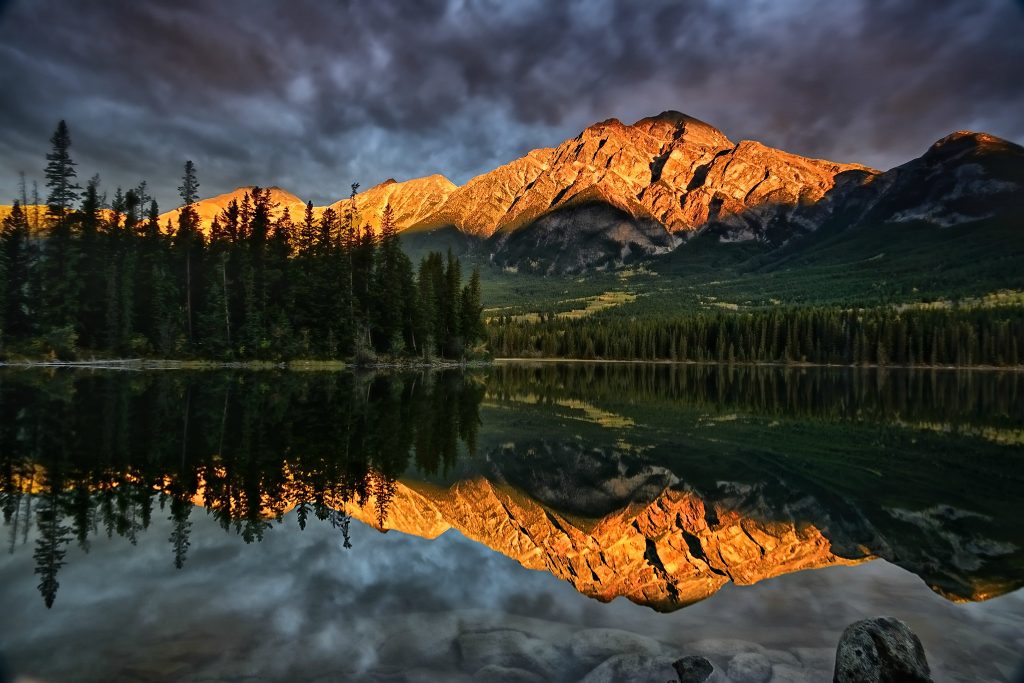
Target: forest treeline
{"type": "Point", "coordinates": [958, 400]}
{"type": "Point", "coordinates": [106, 277]}
{"type": "Point", "coordinates": [877, 336]}
{"type": "Point", "coordinates": [82, 455]}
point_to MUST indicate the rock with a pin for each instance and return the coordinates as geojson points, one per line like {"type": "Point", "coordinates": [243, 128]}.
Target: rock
{"type": "Point", "coordinates": [594, 645]}
{"type": "Point", "coordinates": [492, 673]}
{"type": "Point", "coordinates": [508, 648]}
{"type": "Point", "coordinates": [693, 669]}
{"type": "Point", "coordinates": [749, 667]}
{"type": "Point", "coordinates": [632, 668]}
{"type": "Point", "coordinates": [880, 650]}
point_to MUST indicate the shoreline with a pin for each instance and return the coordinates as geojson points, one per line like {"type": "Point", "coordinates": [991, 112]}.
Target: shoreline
{"type": "Point", "coordinates": [150, 364]}
{"type": "Point", "coordinates": [772, 364]}
{"type": "Point", "coordinates": [141, 364]}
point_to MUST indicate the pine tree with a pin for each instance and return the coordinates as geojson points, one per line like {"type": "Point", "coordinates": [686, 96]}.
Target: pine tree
{"type": "Point", "coordinates": [94, 263]}
{"type": "Point", "coordinates": [59, 276]}
{"type": "Point", "coordinates": [470, 310]}
{"type": "Point", "coordinates": [450, 301]}
{"type": "Point", "coordinates": [388, 286]}
{"type": "Point", "coordinates": [60, 175]}
{"type": "Point", "coordinates": [426, 324]}
{"type": "Point", "coordinates": [15, 250]}
{"type": "Point", "coordinates": [189, 242]}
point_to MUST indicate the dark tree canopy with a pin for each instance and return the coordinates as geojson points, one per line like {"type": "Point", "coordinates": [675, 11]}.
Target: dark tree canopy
{"type": "Point", "coordinates": [254, 283]}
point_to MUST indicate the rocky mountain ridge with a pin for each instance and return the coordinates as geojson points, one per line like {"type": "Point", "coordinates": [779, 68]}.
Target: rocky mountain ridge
{"type": "Point", "coordinates": [620, 192]}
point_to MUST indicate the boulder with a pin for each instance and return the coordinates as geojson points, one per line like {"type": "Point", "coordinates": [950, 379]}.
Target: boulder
{"type": "Point", "coordinates": [880, 650]}
{"type": "Point", "coordinates": [693, 669]}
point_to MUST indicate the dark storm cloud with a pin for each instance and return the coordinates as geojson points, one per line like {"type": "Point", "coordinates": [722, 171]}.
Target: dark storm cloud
{"type": "Point", "coordinates": [312, 94]}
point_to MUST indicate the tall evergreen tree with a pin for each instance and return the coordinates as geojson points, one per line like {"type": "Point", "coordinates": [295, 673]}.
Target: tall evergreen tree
{"type": "Point", "coordinates": [15, 248]}
{"type": "Point", "coordinates": [470, 309]}
{"type": "Point", "coordinates": [94, 264]}
{"type": "Point", "coordinates": [188, 241]}
{"type": "Point", "coordinates": [60, 175]}
{"type": "Point", "coordinates": [59, 276]}
{"type": "Point", "coordinates": [388, 286]}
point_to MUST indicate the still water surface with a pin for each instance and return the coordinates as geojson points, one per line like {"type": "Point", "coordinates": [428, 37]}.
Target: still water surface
{"type": "Point", "coordinates": [524, 522]}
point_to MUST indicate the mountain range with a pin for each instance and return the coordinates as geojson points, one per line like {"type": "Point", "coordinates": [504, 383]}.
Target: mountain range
{"type": "Point", "coordinates": [617, 193]}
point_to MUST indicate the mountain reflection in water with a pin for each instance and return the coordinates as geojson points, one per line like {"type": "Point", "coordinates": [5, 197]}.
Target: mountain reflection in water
{"type": "Point", "coordinates": [657, 483]}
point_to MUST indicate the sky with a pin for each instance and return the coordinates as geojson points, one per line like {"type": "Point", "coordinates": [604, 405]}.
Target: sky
{"type": "Point", "coordinates": [312, 95]}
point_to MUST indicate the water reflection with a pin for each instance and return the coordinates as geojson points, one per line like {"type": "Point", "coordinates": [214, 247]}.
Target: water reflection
{"type": "Point", "coordinates": [84, 454]}
{"type": "Point", "coordinates": [658, 483]}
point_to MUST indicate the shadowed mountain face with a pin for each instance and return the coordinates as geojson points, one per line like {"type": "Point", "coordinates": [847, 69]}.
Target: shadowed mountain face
{"type": "Point", "coordinates": [657, 483]}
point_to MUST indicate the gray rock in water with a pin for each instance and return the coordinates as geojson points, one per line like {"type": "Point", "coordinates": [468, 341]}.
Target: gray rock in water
{"type": "Point", "coordinates": [750, 667]}
{"type": "Point", "coordinates": [880, 650]}
{"type": "Point", "coordinates": [693, 669]}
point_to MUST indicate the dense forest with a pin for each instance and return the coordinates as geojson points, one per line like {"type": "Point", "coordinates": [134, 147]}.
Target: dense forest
{"type": "Point", "coordinates": [882, 336]}
{"type": "Point", "coordinates": [104, 454]}
{"type": "Point", "coordinates": [105, 277]}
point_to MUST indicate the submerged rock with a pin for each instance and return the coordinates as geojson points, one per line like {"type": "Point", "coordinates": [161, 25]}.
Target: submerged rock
{"type": "Point", "coordinates": [880, 650]}
{"type": "Point", "coordinates": [693, 669]}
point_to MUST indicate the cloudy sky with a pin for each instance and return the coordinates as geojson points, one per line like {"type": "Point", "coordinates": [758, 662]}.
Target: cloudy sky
{"type": "Point", "coordinates": [314, 94]}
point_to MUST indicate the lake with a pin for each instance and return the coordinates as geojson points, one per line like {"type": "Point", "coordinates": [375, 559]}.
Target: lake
{"type": "Point", "coordinates": [546, 521]}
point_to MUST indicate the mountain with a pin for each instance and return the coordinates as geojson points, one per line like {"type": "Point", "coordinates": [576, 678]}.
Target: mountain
{"type": "Point", "coordinates": [412, 200]}
{"type": "Point", "coordinates": [963, 178]}
{"type": "Point", "coordinates": [211, 207]}
{"type": "Point", "coordinates": [618, 193]}
{"type": "Point", "coordinates": [612, 194]}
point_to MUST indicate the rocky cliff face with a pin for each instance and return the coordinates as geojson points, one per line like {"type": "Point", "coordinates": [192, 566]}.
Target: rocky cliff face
{"type": "Point", "coordinates": [671, 167]}
{"type": "Point", "coordinates": [663, 175]}
{"type": "Point", "coordinates": [411, 201]}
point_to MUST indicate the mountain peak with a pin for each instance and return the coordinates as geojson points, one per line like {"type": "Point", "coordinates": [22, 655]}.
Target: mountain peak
{"type": "Point", "coordinates": [969, 143]}
{"type": "Point", "coordinates": [671, 116]}
{"type": "Point", "coordinates": [389, 181]}
{"type": "Point", "coordinates": [674, 125]}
